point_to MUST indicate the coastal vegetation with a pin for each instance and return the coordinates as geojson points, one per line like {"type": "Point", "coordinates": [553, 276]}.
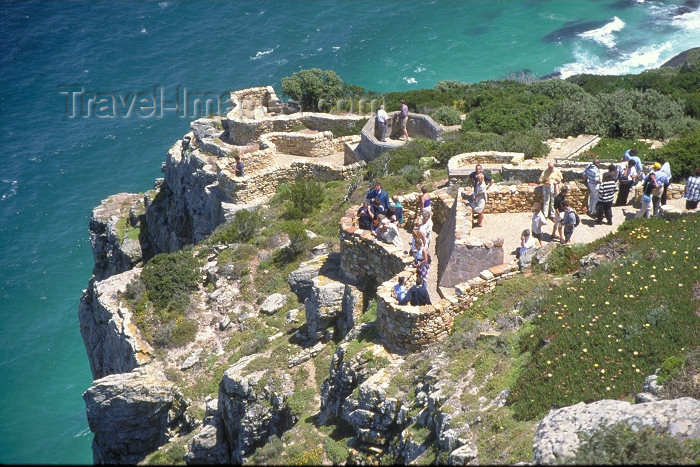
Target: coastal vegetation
{"type": "Point", "coordinates": [561, 337]}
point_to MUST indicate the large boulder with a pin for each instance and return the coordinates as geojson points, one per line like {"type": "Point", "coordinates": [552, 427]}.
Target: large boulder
{"type": "Point", "coordinates": [556, 438]}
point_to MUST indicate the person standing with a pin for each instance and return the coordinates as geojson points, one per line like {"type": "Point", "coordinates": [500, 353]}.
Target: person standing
{"type": "Point", "coordinates": [569, 221]}
{"type": "Point", "coordinates": [627, 181]}
{"type": "Point", "coordinates": [238, 167]}
{"type": "Point", "coordinates": [550, 178]}
{"type": "Point", "coordinates": [478, 202]}
{"type": "Point", "coordinates": [480, 170]}
{"type": "Point", "coordinates": [538, 221]}
{"type": "Point", "coordinates": [380, 194]}
{"type": "Point", "coordinates": [398, 209]}
{"type": "Point", "coordinates": [592, 178]}
{"type": "Point", "coordinates": [649, 185]}
{"type": "Point", "coordinates": [631, 154]}
{"type": "Point", "coordinates": [559, 212]}
{"type": "Point", "coordinates": [692, 190]}
{"type": "Point", "coordinates": [666, 169]}
{"type": "Point", "coordinates": [656, 193]}
{"type": "Point", "coordinates": [381, 123]}
{"type": "Point", "coordinates": [606, 193]}
{"type": "Point", "coordinates": [424, 200]}
{"type": "Point", "coordinates": [403, 120]}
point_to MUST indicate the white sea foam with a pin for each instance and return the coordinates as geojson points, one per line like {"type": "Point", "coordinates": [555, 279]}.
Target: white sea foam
{"type": "Point", "coordinates": [164, 4]}
{"type": "Point", "coordinates": [634, 62]}
{"type": "Point", "coordinates": [9, 188]}
{"type": "Point", "coordinates": [606, 34]}
{"type": "Point", "coordinates": [689, 21]}
{"type": "Point", "coordinates": [420, 69]}
{"type": "Point", "coordinates": [261, 53]}
{"type": "Point", "coordinates": [410, 80]}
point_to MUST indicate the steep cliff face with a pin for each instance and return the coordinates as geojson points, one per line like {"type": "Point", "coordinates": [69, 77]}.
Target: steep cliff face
{"type": "Point", "coordinates": [113, 343]}
{"type": "Point", "coordinates": [131, 414]}
{"type": "Point", "coordinates": [187, 206]}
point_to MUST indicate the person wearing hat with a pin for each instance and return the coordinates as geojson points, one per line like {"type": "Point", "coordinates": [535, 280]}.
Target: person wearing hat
{"type": "Point", "coordinates": [558, 212]}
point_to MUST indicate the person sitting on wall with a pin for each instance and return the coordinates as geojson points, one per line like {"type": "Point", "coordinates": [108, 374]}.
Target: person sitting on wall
{"type": "Point", "coordinates": [399, 291]}
{"type": "Point", "coordinates": [398, 209]}
{"type": "Point", "coordinates": [417, 295]}
{"type": "Point", "coordinates": [389, 233]}
{"type": "Point", "coordinates": [527, 242]}
{"type": "Point", "coordinates": [238, 168]}
{"type": "Point", "coordinates": [365, 216]}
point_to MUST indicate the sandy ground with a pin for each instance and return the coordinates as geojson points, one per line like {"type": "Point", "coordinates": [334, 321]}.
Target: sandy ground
{"type": "Point", "coordinates": [510, 226]}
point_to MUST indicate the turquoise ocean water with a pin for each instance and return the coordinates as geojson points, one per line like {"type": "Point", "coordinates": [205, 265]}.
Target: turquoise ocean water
{"type": "Point", "coordinates": [61, 157]}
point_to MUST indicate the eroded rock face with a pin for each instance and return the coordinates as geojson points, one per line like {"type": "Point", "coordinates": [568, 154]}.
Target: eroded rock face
{"type": "Point", "coordinates": [557, 438]}
{"type": "Point", "coordinates": [188, 206]}
{"type": "Point", "coordinates": [131, 415]}
{"type": "Point", "coordinates": [113, 254]}
{"type": "Point", "coordinates": [331, 303]}
{"type": "Point", "coordinates": [113, 343]}
{"type": "Point", "coordinates": [253, 407]}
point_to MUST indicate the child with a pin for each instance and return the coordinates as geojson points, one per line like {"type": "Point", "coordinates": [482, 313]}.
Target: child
{"type": "Point", "coordinates": [568, 221]}
{"type": "Point", "coordinates": [398, 209]}
{"type": "Point", "coordinates": [399, 291]}
{"type": "Point", "coordinates": [538, 220]}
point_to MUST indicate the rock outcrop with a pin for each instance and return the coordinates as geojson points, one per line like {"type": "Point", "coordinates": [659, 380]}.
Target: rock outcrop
{"type": "Point", "coordinates": [113, 343]}
{"type": "Point", "coordinates": [557, 437]}
{"type": "Point", "coordinates": [253, 406]}
{"type": "Point", "coordinates": [131, 415]}
{"type": "Point", "coordinates": [112, 249]}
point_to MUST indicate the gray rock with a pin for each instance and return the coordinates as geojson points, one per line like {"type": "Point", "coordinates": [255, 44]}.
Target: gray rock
{"type": "Point", "coordinates": [526, 257]}
{"type": "Point", "coordinates": [462, 455]}
{"type": "Point", "coordinates": [192, 360]}
{"type": "Point", "coordinates": [556, 438]}
{"type": "Point", "coordinates": [131, 415]}
{"type": "Point", "coordinates": [273, 303]}
{"type": "Point", "coordinates": [544, 252]}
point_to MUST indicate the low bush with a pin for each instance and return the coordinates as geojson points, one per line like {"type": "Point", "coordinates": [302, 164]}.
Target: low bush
{"type": "Point", "coordinates": [446, 116]}
{"type": "Point", "coordinates": [636, 444]}
{"type": "Point", "coordinates": [244, 226]}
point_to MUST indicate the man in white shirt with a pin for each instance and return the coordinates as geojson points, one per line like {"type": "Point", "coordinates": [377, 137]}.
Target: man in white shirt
{"type": "Point", "coordinates": [592, 178]}
{"type": "Point", "coordinates": [381, 123]}
{"type": "Point", "coordinates": [666, 169]}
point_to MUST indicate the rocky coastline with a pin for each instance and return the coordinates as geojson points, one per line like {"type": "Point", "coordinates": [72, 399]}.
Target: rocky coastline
{"type": "Point", "coordinates": [135, 407]}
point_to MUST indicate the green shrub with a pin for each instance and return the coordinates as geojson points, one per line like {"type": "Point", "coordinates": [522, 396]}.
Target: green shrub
{"type": "Point", "coordinates": [344, 130]}
{"type": "Point", "coordinates": [298, 242]}
{"type": "Point", "coordinates": [314, 89]}
{"type": "Point", "coordinates": [336, 451]}
{"type": "Point", "coordinates": [670, 367]}
{"type": "Point", "coordinates": [683, 154]}
{"type": "Point", "coordinates": [170, 277]}
{"type": "Point", "coordinates": [683, 382]}
{"type": "Point", "coordinates": [636, 444]}
{"type": "Point", "coordinates": [446, 116]}
{"type": "Point", "coordinates": [244, 226]}
{"type": "Point", "coordinates": [306, 196]}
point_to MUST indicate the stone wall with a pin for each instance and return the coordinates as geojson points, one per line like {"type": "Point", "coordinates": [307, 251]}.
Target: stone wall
{"type": "Point", "coordinates": [318, 144]}
{"type": "Point", "coordinates": [462, 256]}
{"type": "Point", "coordinates": [407, 328]}
{"type": "Point", "coordinates": [418, 125]}
{"type": "Point", "coordinates": [461, 165]}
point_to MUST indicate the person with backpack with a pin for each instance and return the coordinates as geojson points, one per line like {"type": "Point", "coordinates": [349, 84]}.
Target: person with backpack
{"type": "Point", "coordinates": [570, 221]}
{"type": "Point", "coordinates": [592, 179]}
